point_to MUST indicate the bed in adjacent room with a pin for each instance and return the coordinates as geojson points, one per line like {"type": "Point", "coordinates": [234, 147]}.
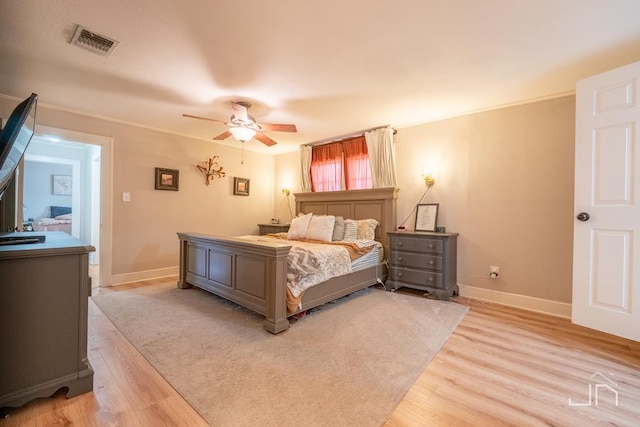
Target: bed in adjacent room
{"type": "Point", "coordinates": [253, 271]}
{"type": "Point", "coordinates": [59, 219]}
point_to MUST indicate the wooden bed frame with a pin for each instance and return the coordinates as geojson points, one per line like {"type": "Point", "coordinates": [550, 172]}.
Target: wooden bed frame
{"type": "Point", "coordinates": [253, 274]}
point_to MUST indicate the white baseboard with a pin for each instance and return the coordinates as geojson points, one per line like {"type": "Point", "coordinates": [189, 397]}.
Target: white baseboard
{"type": "Point", "coordinates": [539, 305]}
{"type": "Point", "coordinates": [120, 279]}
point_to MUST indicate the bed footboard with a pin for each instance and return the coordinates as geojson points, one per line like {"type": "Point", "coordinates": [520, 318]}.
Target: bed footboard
{"type": "Point", "coordinates": [252, 274]}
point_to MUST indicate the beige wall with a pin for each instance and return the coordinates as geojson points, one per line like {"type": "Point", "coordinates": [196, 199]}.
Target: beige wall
{"type": "Point", "coordinates": [504, 181]}
{"type": "Point", "coordinates": [144, 230]}
{"type": "Point", "coordinates": [287, 173]}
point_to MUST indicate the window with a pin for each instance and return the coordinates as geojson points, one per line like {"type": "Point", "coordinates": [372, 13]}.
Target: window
{"type": "Point", "coordinates": [357, 171]}
{"type": "Point", "coordinates": [345, 161]}
{"type": "Point", "coordinates": [326, 167]}
{"type": "Point", "coordinates": [362, 162]}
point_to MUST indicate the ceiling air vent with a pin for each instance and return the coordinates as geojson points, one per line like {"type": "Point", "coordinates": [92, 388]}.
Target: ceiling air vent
{"type": "Point", "coordinates": [93, 42]}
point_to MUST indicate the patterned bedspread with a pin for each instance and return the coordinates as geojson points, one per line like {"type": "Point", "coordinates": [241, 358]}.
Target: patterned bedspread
{"type": "Point", "coordinates": [310, 263]}
{"type": "Point", "coordinates": [51, 224]}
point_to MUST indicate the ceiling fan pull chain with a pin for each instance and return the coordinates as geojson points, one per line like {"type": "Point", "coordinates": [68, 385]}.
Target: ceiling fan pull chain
{"type": "Point", "coordinates": [242, 158]}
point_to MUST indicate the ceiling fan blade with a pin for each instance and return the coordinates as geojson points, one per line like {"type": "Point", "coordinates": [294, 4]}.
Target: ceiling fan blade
{"type": "Point", "coordinates": [223, 135]}
{"type": "Point", "coordinates": [240, 111]}
{"type": "Point", "coordinates": [278, 127]}
{"type": "Point", "coordinates": [203, 118]}
{"type": "Point", "coordinates": [265, 139]}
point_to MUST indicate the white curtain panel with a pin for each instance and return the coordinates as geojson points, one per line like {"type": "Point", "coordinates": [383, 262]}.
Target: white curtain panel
{"type": "Point", "coordinates": [305, 168]}
{"type": "Point", "coordinates": [382, 157]}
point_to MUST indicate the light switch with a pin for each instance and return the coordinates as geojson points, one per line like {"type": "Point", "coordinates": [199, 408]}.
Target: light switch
{"type": "Point", "coordinates": [126, 196]}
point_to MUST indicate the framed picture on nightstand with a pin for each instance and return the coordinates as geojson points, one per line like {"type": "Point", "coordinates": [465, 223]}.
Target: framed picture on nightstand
{"type": "Point", "coordinates": [427, 217]}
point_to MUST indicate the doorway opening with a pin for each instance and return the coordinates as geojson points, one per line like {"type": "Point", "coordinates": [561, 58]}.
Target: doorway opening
{"type": "Point", "coordinates": [66, 187]}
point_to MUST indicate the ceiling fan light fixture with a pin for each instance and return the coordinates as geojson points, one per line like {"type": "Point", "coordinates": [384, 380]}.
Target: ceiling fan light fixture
{"type": "Point", "coordinates": [242, 134]}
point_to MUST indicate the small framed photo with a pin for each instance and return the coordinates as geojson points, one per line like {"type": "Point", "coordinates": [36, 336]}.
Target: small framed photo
{"type": "Point", "coordinates": [167, 179]}
{"type": "Point", "coordinates": [61, 185]}
{"type": "Point", "coordinates": [427, 217]}
{"type": "Point", "coordinates": [240, 186]}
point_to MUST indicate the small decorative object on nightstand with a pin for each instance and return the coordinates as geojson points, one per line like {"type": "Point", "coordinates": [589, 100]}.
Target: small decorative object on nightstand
{"type": "Point", "coordinates": [272, 228]}
{"type": "Point", "coordinates": [422, 260]}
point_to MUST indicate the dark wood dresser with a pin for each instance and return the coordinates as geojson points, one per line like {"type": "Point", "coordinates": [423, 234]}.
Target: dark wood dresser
{"type": "Point", "coordinates": [43, 318]}
{"type": "Point", "coordinates": [422, 260]}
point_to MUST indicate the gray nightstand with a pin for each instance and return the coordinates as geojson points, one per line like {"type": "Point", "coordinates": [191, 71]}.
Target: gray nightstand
{"type": "Point", "coordinates": [424, 261]}
{"type": "Point", "coordinates": [272, 228]}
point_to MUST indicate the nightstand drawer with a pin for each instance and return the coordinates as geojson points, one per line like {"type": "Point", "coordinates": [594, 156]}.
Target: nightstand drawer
{"type": "Point", "coordinates": [416, 245]}
{"type": "Point", "coordinates": [416, 277]}
{"type": "Point", "coordinates": [408, 259]}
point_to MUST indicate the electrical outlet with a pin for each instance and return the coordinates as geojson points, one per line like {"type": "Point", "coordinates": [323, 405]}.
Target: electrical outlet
{"type": "Point", "coordinates": [494, 272]}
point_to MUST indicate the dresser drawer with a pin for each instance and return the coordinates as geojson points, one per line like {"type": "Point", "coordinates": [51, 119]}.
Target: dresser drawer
{"type": "Point", "coordinates": [408, 259]}
{"type": "Point", "coordinates": [416, 277]}
{"type": "Point", "coordinates": [416, 244]}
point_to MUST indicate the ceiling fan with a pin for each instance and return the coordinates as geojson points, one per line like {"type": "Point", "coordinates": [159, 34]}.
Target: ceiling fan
{"type": "Point", "coordinates": [243, 127]}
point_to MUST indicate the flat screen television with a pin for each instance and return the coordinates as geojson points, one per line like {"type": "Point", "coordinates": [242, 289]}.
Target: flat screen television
{"type": "Point", "coordinates": [15, 138]}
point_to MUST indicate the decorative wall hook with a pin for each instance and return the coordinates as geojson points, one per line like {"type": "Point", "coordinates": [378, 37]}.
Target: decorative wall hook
{"type": "Point", "coordinates": [211, 169]}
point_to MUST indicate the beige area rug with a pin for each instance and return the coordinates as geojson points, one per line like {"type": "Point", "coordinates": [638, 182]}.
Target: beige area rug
{"type": "Point", "coordinates": [347, 363]}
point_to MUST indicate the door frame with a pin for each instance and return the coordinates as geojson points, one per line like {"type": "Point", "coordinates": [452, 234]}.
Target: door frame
{"type": "Point", "coordinates": [106, 190]}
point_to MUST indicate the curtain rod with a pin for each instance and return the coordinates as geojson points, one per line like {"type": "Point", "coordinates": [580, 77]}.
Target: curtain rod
{"type": "Point", "coordinates": [349, 135]}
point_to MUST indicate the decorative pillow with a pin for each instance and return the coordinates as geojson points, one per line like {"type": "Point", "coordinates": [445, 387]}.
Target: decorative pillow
{"type": "Point", "coordinates": [350, 230]}
{"type": "Point", "coordinates": [321, 227]}
{"type": "Point", "coordinates": [338, 229]}
{"type": "Point", "coordinates": [64, 217]}
{"type": "Point", "coordinates": [298, 227]}
{"type": "Point", "coordinates": [366, 229]}
{"type": "Point", "coordinates": [59, 210]}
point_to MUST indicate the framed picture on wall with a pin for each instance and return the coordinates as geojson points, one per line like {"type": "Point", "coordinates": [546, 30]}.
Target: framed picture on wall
{"type": "Point", "coordinates": [427, 217]}
{"type": "Point", "coordinates": [167, 179]}
{"type": "Point", "coordinates": [240, 186]}
{"type": "Point", "coordinates": [61, 185]}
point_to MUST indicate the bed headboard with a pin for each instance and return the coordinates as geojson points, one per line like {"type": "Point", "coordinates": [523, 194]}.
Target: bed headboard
{"type": "Point", "coordinates": [377, 203]}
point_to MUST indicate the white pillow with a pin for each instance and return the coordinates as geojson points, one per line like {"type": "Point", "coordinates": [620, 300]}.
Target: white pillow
{"type": "Point", "coordinates": [350, 230]}
{"type": "Point", "coordinates": [298, 227]}
{"type": "Point", "coordinates": [321, 227]}
{"type": "Point", "coordinates": [367, 229]}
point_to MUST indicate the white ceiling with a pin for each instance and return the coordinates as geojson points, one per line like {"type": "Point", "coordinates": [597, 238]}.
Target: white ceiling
{"type": "Point", "coordinates": [331, 67]}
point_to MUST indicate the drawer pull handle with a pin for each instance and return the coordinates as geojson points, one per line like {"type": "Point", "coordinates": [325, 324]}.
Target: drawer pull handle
{"type": "Point", "coordinates": [399, 258]}
{"type": "Point", "coordinates": [431, 279]}
{"type": "Point", "coordinates": [399, 274]}
{"type": "Point", "coordinates": [430, 262]}
{"type": "Point", "coordinates": [399, 243]}
{"type": "Point", "coordinates": [430, 246]}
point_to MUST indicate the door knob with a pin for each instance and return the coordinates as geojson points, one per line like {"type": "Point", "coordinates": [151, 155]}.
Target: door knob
{"type": "Point", "coordinates": [583, 216]}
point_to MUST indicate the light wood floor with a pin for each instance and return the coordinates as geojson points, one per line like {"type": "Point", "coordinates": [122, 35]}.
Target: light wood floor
{"type": "Point", "coordinates": [501, 366]}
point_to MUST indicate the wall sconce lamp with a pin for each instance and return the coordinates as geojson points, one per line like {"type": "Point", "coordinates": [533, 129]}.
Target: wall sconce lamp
{"type": "Point", "coordinates": [429, 180]}
{"type": "Point", "coordinates": [287, 192]}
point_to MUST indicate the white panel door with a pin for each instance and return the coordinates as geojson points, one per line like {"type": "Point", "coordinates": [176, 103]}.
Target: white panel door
{"type": "Point", "coordinates": [606, 246]}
